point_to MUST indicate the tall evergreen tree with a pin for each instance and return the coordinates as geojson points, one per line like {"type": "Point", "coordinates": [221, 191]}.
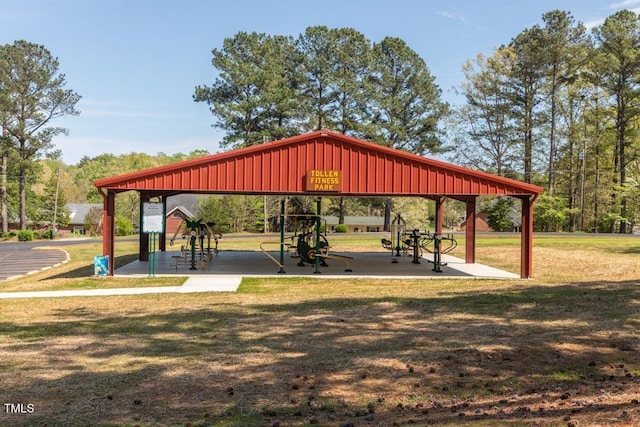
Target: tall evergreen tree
{"type": "Point", "coordinates": [566, 49]}
{"type": "Point", "coordinates": [318, 46]}
{"type": "Point", "coordinates": [255, 89]}
{"type": "Point", "coordinates": [618, 71]}
{"type": "Point", "coordinates": [525, 91]}
{"type": "Point", "coordinates": [284, 88]}
{"type": "Point", "coordinates": [404, 100]}
{"type": "Point", "coordinates": [35, 94]}
{"type": "Point", "coordinates": [351, 66]}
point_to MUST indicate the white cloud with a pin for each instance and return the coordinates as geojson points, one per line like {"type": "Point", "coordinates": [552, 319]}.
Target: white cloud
{"type": "Point", "coordinates": [617, 6]}
{"type": "Point", "coordinates": [453, 15]}
{"type": "Point", "coordinates": [624, 4]}
{"type": "Point", "coordinates": [593, 23]}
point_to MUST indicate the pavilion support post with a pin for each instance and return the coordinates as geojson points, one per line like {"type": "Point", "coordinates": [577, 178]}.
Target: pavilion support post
{"type": "Point", "coordinates": [526, 239]}
{"type": "Point", "coordinates": [162, 245]}
{"type": "Point", "coordinates": [283, 224]}
{"type": "Point", "coordinates": [316, 269]}
{"type": "Point", "coordinates": [108, 237]}
{"type": "Point", "coordinates": [439, 213]}
{"type": "Point", "coordinates": [470, 232]}
{"type": "Point", "coordinates": [143, 254]}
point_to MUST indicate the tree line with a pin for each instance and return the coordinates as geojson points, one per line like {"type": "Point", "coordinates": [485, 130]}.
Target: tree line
{"type": "Point", "coordinates": [556, 106]}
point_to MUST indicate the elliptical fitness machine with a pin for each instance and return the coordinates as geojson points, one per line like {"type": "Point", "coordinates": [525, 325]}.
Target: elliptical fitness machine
{"type": "Point", "coordinates": [403, 241]}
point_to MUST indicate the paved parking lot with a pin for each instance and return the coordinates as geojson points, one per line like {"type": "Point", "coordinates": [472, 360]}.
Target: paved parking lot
{"type": "Point", "coordinates": [19, 258]}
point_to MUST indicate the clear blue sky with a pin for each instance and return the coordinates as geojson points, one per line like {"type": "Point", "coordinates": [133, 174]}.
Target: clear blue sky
{"type": "Point", "coordinates": [136, 63]}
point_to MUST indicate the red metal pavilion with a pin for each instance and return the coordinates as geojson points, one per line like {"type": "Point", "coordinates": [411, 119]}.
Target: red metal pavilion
{"type": "Point", "coordinates": [323, 163]}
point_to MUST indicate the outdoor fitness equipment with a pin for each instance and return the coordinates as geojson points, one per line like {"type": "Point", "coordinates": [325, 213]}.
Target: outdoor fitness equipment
{"type": "Point", "coordinates": [417, 241]}
{"type": "Point", "coordinates": [197, 231]}
{"type": "Point", "coordinates": [396, 244]}
{"type": "Point", "coordinates": [302, 224]}
{"type": "Point", "coordinates": [427, 238]}
{"type": "Point", "coordinates": [311, 245]}
{"type": "Point", "coordinates": [320, 253]}
{"type": "Point", "coordinates": [306, 232]}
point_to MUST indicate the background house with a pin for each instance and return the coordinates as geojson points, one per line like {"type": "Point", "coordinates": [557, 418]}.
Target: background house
{"type": "Point", "coordinates": [179, 207]}
{"type": "Point", "coordinates": [174, 218]}
{"type": "Point", "coordinates": [356, 224]}
{"type": "Point", "coordinates": [481, 222]}
{"type": "Point", "coordinates": [77, 215]}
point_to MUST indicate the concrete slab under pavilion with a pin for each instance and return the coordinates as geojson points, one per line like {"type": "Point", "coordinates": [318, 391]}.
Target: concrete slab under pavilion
{"type": "Point", "coordinates": [372, 265]}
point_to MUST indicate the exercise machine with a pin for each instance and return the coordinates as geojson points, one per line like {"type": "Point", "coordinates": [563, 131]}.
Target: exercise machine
{"type": "Point", "coordinates": [437, 240]}
{"type": "Point", "coordinates": [402, 242]}
{"type": "Point", "coordinates": [308, 242]}
{"type": "Point", "coordinates": [197, 231]}
{"type": "Point", "coordinates": [396, 243]}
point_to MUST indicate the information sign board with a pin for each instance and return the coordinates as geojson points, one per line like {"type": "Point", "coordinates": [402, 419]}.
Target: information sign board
{"type": "Point", "coordinates": [152, 217]}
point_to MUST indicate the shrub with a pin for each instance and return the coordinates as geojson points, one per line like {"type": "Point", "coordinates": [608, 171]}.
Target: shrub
{"type": "Point", "coordinates": [499, 214]}
{"type": "Point", "coordinates": [123, 226]}
{"type": "Point", "coordinates": [550, 214]}
{"type": "Point", "coordinates": [340, 228]}
{"type": "Point", "coordinates": [26, 235]}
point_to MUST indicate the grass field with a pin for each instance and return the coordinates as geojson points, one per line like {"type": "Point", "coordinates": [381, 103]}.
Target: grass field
{"type": "Point", "coordinates": [560, 349]}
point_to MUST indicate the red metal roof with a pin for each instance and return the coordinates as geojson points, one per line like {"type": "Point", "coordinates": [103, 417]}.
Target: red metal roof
{"type": "Point", "coordinates": [282, 167]}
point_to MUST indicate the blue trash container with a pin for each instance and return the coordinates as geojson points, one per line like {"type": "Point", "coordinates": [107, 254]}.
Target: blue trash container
{"type": "Point", "coordinates": [101, 265]}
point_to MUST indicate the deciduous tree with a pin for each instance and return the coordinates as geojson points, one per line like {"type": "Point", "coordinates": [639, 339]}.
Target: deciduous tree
{"type": "Point", "coordinates": [487, 138]}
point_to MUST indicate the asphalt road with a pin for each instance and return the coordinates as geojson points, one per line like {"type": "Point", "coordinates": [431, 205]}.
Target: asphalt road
{"type": "Point", "coordinates": [18, 258]}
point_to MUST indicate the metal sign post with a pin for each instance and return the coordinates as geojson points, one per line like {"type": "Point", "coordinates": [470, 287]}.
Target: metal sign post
{"type": "Point", "coordinates": [152, 254]}
{"type": "Point", "coordinates": [152, 223]}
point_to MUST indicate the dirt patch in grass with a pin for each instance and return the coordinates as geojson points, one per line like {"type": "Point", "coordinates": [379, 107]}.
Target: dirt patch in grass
{"type": "Point", "coordinates": [330, 353]}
